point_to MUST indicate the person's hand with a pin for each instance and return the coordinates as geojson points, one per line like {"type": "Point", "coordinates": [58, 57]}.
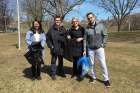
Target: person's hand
{"type": "Point", "coordinates": [68, 37]}
{"type": "Point", "coordinates": [53, 50]}
{"type": "Point", "coordinates": [79, 39]}
{"type": "Point", "coordinates": [52, 47]}
{"type": "Point", "coordinates": [103, 45]}
{"type": "Point", "coordinates": [84, 53]}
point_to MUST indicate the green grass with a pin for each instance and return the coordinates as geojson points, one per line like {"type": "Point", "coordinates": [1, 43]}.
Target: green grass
{"type": "Point", "coordinates": [122, 54]}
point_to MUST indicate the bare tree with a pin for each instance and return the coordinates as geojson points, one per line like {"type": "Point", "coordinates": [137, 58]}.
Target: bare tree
{"type": "Point", "coordinates": [2, 14]}
{"type": "Point", "coordinates": [5, 14]}
{"type": "Point", "coordinates": [60, 7]}
{"type": "Point", "coordinates": [119, 9]}
{"type": "Point", "coordinates": [34, 9]}
{"type": "Point", "coordinates": [50, 8]}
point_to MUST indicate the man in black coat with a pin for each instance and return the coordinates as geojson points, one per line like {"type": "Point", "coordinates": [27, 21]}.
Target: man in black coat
{"type": "Point", "coordinates": [56, 43]}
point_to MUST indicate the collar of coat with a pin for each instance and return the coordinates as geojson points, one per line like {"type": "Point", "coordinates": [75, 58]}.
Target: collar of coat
{"type": "Point", "coordinates": [92, 25]}
{"type": "Point", "coordinates": [58, 29]}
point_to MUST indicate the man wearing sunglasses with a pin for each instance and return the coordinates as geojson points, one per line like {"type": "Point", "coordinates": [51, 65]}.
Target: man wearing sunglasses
{"type": "Point", "coordinates": [94, 41]}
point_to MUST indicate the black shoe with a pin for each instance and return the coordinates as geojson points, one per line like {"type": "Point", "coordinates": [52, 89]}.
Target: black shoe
{"type": "Point", "coordinates": [33, 78]}
{"type": "Point", "coordinates": [79, 78]}
{"type": "Point", "coordinates": [53, 77]}
{"type": "Point", "coordinates": [39, 78]}
{"type": "Point", "coordinates": [92, 80]}
{"type": "Point", "coordinates": [62, 75]}
{"type": "Point", "coordinates": [74, 77]}
{"type": "Point", "coordinates": [107, 84]}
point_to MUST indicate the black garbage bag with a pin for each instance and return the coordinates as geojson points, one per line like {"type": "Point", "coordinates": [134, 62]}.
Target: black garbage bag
{"type": "Point", "coordinates": [34, 55]}
{"type": "Point", "coordinates": [28, 56]}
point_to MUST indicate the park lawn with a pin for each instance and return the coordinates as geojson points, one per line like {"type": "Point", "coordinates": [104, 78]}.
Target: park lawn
{"type": "Point", "coordinates": [123, 61]}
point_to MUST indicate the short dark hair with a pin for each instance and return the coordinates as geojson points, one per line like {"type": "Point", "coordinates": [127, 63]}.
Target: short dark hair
{"type": "Point", "coordinates": [90, 13]}
{"type": "Point", "coordinates": [58, 16]}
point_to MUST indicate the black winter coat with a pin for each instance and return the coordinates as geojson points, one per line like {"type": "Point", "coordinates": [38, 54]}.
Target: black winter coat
{"type": "Point", "coordinates": [76, 47]}
{"type": "Point", "coordinates": [56, 39]}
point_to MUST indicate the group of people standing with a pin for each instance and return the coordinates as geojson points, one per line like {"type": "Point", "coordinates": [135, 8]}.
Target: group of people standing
{"type": "Point", "coordinates": [89, 41]}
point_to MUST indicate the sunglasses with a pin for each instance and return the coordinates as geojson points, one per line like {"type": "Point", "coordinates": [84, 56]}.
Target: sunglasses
{"type": "Point", "coordinates": [89, 18]}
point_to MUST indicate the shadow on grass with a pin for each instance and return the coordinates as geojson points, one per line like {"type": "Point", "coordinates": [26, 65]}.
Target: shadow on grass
{"type": "Point", "coordinates": [27, 73]}
{"type": "Point", "coordinates": [99, 80]}
{"type": "Point", "coordinates": [15, 45]}
{"type": "Point", "coordinates": [45, 69]}
{"type": "Point", "coordinates": [68, 70]}
{"type": "Point", "coordinates": [90, 78]}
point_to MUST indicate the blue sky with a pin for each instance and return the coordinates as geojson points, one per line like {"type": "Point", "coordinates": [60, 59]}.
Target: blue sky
{"type": "Point", "coordinates": [81, 10]}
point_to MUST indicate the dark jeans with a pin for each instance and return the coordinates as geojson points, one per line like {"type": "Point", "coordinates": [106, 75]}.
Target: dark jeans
{"type": "Point", "coordinates": [36, 70]}
{"type": "Point", "coordinates": [76, 70]}
{"type": "Point", "coordinates": [53, 64]}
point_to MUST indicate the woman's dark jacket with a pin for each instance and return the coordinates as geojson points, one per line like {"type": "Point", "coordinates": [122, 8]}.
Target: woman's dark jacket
{"type": "Point", "coordinates": [76, 47]}
{"type": "Point", "coordinates": [56, 40]}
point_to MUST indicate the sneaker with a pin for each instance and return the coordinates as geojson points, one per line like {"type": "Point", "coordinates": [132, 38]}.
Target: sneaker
{"type": "Point", "coordinates": [53, 77]}
{"type": "Point", "coordinates": [92, 80]}
{"type": "Point", "coordinates": [107, 84]}
{"type": "Point", "coordinates": [39, 78]}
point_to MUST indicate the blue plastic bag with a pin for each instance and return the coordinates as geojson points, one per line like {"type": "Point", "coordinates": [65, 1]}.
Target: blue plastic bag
{"type": "Point", "coordinates": [84, 64]}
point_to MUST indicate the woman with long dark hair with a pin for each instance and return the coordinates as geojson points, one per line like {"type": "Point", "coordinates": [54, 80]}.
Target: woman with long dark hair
{"type": "Point", "coordinates": [36, 39]}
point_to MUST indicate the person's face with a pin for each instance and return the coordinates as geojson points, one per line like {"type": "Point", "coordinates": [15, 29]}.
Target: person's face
{"type": "Point", "coordinates": [36, 25]}
{"type": "Point", "coordinates": [58, 21]}
{"type": "Point", "coordinates": [75, 22]}
{"type": "Point", "coordinates": [91, 18]}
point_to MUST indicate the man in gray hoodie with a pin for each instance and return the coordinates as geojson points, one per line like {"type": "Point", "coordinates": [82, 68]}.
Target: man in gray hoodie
{"type": "Point", "coordinates": [95, 39]}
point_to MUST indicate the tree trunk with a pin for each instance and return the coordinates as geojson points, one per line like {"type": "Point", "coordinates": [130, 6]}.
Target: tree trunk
{"type": "Point", "coordinates": [119, 23]}
{"type": "Point", "coordinates": [118, 27]}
